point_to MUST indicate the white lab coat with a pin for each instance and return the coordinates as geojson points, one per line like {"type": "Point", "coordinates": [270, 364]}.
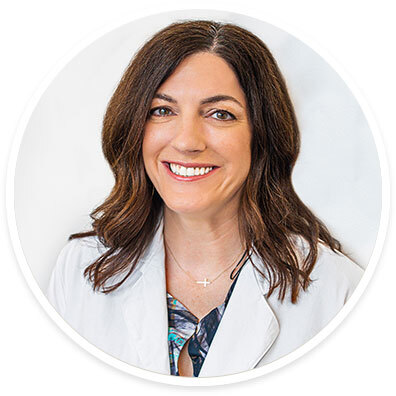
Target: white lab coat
{"type": "Point", "coordinates": [131, 323]}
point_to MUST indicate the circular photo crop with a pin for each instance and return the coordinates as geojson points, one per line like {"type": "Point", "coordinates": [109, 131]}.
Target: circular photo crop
{"type": "Point", "coordinates": [197, 197]}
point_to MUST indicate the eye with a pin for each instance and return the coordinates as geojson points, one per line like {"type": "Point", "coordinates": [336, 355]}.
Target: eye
{"type": "Point", "coordinates": [160, 112]}
{"type": "Point", "coordinates": [223, 115]}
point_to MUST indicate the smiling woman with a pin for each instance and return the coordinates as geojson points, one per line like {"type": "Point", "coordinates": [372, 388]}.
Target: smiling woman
{"type": "Point", "coordinates": [202, 261]}
{"type": "Point", "coordinates": [196, 146]}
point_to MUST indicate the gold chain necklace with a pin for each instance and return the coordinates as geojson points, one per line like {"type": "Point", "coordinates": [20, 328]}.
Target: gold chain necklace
{"type": "Point", "coordinates": [206, 281]}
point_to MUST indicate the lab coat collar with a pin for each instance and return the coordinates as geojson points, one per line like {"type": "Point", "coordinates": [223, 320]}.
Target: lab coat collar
{"type": "Point", "coordinates": [245, 333]}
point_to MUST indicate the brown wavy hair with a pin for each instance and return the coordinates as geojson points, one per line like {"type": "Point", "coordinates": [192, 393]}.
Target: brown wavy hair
{"type": "Point", "coordinates": [271, 215]}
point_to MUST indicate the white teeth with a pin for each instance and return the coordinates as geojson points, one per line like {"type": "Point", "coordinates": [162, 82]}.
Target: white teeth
{"type": "Point", "coordinates": [183, 171]}
{"type": "Point", "coordinates": [190, 171]}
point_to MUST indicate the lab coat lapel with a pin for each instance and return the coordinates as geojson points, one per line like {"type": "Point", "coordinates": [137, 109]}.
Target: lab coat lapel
{"type": "Point", "coordinates": [145, 310]}
{"type": "Point", "coordinates": [246, 331]}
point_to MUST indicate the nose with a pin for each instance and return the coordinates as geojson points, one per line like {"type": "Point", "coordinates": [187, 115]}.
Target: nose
{"type": "Point", "coordinates": [189, 136]}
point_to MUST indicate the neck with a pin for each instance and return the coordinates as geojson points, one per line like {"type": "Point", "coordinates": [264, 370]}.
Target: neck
{"type": "Point", "coordinates": [203, 246]}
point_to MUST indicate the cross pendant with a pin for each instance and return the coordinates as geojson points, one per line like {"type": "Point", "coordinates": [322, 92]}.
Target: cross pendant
{"type": "Point", "coordinates": [205, 282]}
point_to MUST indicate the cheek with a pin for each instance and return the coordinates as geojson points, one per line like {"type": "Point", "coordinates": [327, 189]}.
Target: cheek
{"type": "Point", "coordinates": [155, 141]}
{"type": "Point", "coordinates": [151, 144]}
{"type": "Point", "coordinates": [243, 156]}
{"type": "Point", "coordinates": [145, 151]}
{"type": "Point", "coordinates": [238, 152]}
{"type": "Point", "coordinates": [149, 152]}
{"type": "Point", "coordinates": [155, 138]}
{"type": "Point", "coordinates": [244, 163]}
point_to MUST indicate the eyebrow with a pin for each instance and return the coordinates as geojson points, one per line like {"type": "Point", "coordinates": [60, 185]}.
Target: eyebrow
{"type": "Point", "coordinates": [211, 99]}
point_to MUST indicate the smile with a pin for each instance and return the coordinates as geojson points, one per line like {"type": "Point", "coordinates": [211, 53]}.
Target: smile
{"type": "Point", "coordinates": [183, 171]}
{"type": "Point", "coordinates": [189, 173]}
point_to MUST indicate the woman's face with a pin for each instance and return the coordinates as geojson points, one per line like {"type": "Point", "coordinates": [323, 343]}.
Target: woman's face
{"type": "Point", "coordinates": [196, 146]}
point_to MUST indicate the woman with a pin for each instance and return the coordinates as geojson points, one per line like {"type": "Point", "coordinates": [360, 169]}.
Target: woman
{"type": "Point", "coordinates": [202, 261]}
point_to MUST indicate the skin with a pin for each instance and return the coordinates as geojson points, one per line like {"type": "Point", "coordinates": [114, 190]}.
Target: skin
{"type": "Point", "coordinates": [200, 215]}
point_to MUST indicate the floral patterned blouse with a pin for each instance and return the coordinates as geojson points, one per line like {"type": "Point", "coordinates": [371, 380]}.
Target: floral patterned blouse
{"type": "Point", "coordinates": [183, 325]}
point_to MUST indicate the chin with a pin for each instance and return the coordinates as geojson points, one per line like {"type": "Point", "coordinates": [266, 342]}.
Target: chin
{"type": "Point", "coordinates": [185, 207]}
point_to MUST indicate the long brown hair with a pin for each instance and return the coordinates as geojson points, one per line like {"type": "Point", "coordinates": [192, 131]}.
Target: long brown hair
{"type": "Point", "coordinates": [271, 215]}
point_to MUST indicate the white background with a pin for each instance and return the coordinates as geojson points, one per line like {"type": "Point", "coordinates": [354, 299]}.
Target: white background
{"type": "Point", "coordinates": [38, 358]}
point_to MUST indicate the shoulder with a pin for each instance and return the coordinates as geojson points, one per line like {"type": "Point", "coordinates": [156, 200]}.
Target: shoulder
{"type": "Point", "coordinates": [337, 264]}
{"type": "Point", "coordinates": [334, 274]}
{"type": "Point", "coordinates": [329, 262]}
{"type": "Point", "coordinates": [81, 251]}
{"type": "Point", "coordinates": [77, 254]}
{"type": "Point", "coordinates": [67, 276]}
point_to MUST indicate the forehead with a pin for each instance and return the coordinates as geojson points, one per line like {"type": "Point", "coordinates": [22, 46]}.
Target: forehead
{"type": "Point", "coordinates": [202, 75]}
